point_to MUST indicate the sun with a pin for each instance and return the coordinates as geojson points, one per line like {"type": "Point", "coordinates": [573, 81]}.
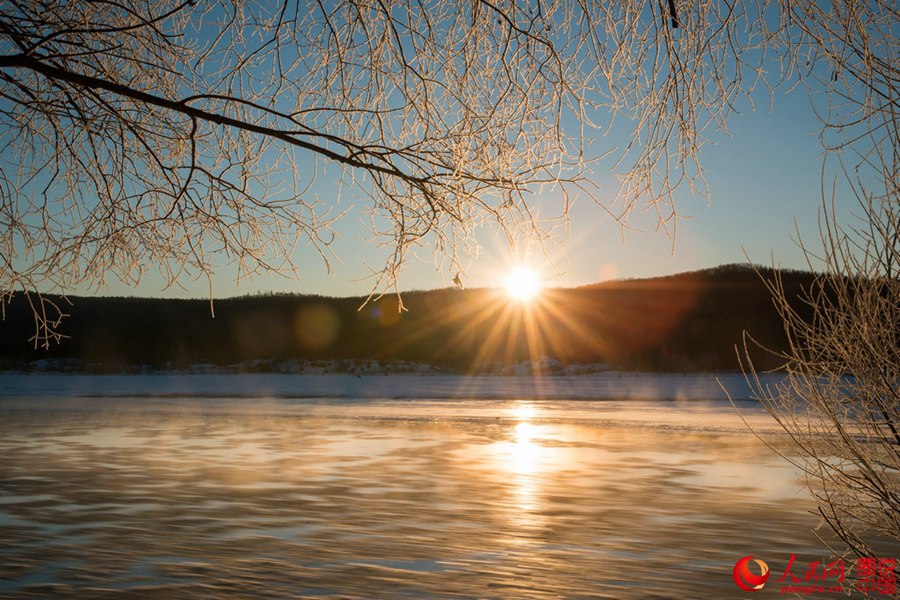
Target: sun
{"type": "Point", "coordinates": [522, 284]}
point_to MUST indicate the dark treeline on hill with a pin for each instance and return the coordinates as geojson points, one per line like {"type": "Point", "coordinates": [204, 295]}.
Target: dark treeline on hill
{"type": "Point", "coordinates": [686, 322]}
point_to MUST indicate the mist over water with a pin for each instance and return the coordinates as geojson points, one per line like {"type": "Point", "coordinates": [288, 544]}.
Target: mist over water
{"type": "Point", "coordinates": [339, 499]}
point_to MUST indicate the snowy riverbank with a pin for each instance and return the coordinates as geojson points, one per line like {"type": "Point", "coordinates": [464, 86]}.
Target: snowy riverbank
{"type": "Point", "coordinates": [598, 386]}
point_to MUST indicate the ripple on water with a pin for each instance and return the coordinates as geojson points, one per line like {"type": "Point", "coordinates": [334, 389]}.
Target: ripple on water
{"type": "Point", "coordinates": [375, 505]}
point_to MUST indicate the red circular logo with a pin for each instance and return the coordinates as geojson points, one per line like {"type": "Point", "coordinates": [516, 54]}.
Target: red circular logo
{"type": "Point", "coordinates": [745, 579]}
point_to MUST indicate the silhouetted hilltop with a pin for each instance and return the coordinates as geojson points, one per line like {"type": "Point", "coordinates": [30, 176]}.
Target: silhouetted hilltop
{"type": "Point", "coordinates": [685, 322]}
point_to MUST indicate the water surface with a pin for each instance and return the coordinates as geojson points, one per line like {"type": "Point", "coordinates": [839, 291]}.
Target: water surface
{"type": "Point", "coordinates": [188, 497]}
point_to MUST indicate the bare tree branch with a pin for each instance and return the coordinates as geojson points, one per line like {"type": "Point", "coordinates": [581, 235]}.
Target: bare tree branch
{"type": "Point", "coordinates": [175, 136]}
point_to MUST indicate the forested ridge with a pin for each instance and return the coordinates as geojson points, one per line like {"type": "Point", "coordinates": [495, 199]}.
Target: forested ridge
{"type": "Point", "coordinates": [686, 322]}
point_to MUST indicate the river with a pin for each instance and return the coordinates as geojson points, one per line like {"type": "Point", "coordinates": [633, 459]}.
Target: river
{"type": "Point", "coordinates": [186, 497]}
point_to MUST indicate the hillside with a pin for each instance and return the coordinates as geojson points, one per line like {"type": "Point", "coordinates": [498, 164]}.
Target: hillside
{"type": "Point", "coordinates": [686, 322]}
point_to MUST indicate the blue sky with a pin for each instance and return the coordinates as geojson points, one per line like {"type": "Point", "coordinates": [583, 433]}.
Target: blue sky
{"type": "Point", "coordinates": [763, 179]}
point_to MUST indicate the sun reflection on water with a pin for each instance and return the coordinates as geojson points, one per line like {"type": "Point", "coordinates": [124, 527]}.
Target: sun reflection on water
{"type": "Point", "coordinates": [523, 412]}
{"type": "Point", "coordinates": [525, 452]}
{"type": "Point", "coordinates": [525, 460]}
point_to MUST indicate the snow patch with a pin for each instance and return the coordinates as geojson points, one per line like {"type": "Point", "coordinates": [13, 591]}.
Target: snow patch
{"type": "Point", "coordinates": [412, 386]}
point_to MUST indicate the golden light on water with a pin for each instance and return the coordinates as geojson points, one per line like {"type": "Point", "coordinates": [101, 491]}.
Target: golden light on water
{"type": "Point", "coordinates": [523, 412]}
{"type": "Point", "coordinates": [525, 452]}
{"type": "Point", "coordinates": [525, 457]}
{"type": "Point", "coordinates": [520, 501]}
